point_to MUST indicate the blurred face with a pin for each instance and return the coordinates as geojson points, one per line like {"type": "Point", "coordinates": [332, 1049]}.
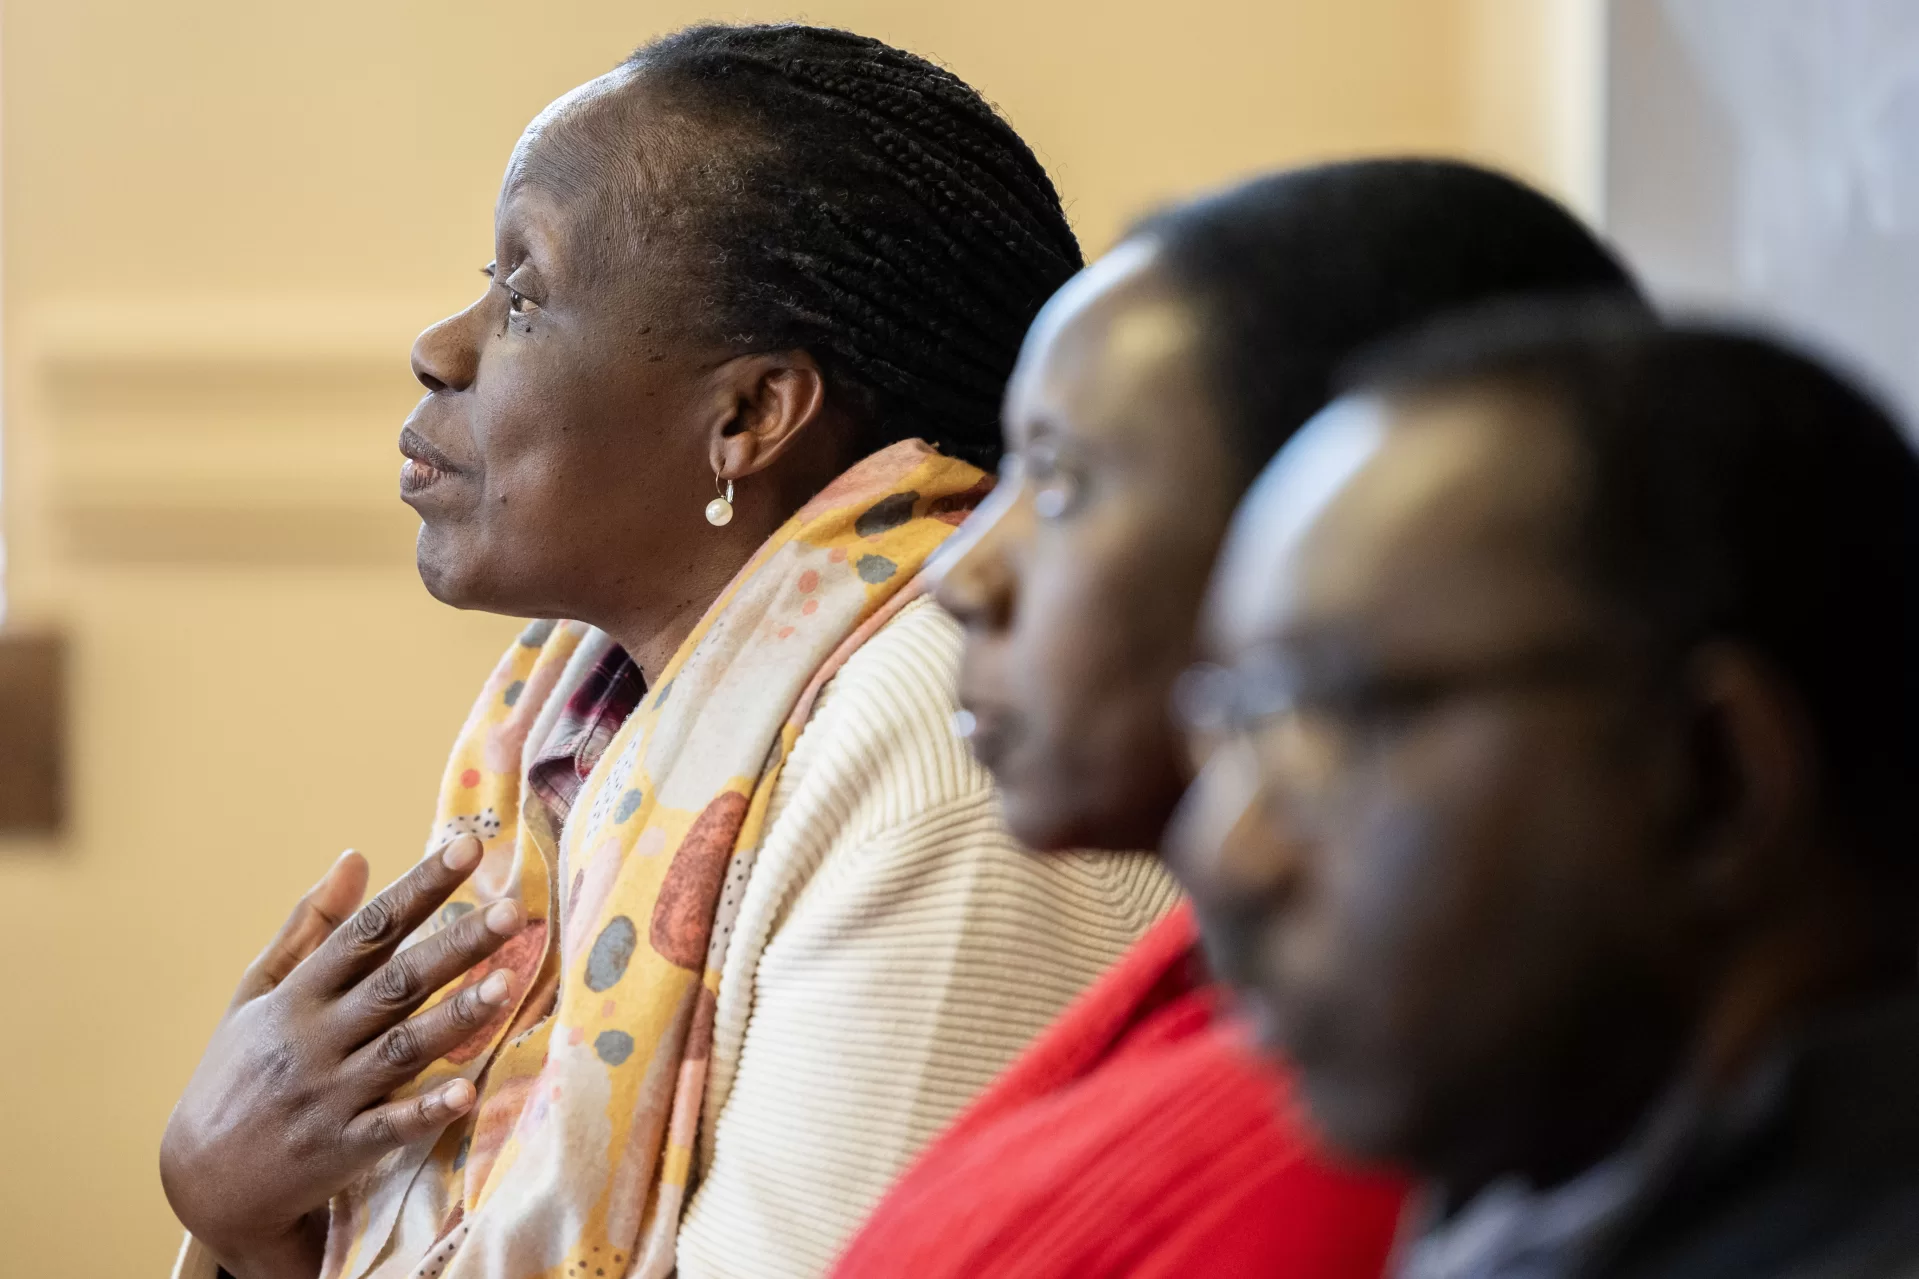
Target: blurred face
{"type": "Point", "coordinates": [1431, 842]}
{"type": "Point", "coordinates": [1079, 580]}
{"type": "Point", "coordinates": [561, 433]}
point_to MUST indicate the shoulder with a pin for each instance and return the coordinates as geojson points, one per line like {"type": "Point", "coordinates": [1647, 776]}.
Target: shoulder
{"type": "Point", "coordinates": [906, 671]}
{"type": "Point", "coordinates": [1216, 1177]}
{"type": "Point", "coordinates": [879, 772]}
{"type": "Point", "coordinates": [880, 739]}
{"type": "Point", "coordinates": [1856, 1217]}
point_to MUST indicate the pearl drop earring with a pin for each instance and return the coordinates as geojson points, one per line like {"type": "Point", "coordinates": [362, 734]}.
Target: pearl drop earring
{"type": "Point", "coordinates": [720, 510]}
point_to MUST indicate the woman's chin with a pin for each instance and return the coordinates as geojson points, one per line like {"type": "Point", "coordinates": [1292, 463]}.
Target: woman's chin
{"type": "Point", "coordinates": [450, 577]}
{"type": "Point", "coordinates": [1045, 817]}
{"type": "Point", "coordinates": [1054, 818]}
{"type": "Point", "coordinates": [1039, 832]}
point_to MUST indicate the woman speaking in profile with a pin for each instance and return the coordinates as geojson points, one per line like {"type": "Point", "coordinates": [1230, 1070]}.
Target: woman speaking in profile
{"type": "Point", "coordinates": [720, 924]}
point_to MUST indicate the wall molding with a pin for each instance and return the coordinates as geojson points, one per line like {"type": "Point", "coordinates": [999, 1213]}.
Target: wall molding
{"type": "Point", "coordinates": [230, 431]}
{"type": "Point", "coordinates": [236, 536]}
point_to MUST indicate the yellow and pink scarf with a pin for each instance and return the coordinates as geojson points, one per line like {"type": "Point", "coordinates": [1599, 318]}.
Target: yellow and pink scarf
{"type": "Point", "coordinates": [575, 1162]}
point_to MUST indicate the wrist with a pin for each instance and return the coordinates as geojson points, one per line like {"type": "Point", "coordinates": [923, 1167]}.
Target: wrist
{"type": "Point", "coordinates": [296, 1253]}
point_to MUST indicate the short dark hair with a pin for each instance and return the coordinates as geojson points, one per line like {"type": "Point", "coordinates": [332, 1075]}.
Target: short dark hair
{"type": "Point", "coordinates": [1293, 273]}
{"type": "Point", "coordinates": [882, 216]}
{"type": "Point", "coordinates": [1738, 489]}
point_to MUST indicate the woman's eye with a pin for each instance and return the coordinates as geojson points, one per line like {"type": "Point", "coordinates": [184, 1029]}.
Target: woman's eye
{"type": "Point", "coordinates": [517, 303]}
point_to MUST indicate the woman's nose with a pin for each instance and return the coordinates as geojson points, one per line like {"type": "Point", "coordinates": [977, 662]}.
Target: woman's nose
{"type": "Point", "coordinates": [972, 579]}
{"type": "Point", "coordinates": [446, 357]}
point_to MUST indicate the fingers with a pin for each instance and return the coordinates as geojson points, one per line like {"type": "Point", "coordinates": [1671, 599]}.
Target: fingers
{"type": "Point", "coordinates": [363, 943]}
{"type": "Point", "coordinates": [399, 1123]}
{"type": "Point", "coordinates": [405, 981]}
{"type": "Point", "coordinates": [407, 1049]}
{"type": "Point", "coordinates": [321, 910]}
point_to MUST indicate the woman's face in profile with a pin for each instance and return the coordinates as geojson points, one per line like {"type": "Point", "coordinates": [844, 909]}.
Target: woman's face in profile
{"type": "Point", "coordinates": [560, 428]}
{"type": "Point", "coordinates": [1079, 581]}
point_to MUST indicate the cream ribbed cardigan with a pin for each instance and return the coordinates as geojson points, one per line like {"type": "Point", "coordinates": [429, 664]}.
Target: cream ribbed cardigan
{"type": "Point", "coordinates": [896, 948]}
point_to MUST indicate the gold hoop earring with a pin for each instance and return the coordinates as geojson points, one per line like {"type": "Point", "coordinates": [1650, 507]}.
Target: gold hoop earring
{"type": "Point", "coordinates": [720, 510]}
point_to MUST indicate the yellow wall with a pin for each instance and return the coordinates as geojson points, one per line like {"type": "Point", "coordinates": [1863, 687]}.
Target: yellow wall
{"type": "Point", "coordinates": [223, 221]}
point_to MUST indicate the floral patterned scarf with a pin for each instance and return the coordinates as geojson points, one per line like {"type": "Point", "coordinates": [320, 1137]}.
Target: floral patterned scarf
{"type": "Point", "coordinates": [576, 1158]}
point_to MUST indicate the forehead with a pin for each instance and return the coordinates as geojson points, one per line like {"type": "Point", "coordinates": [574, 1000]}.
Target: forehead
{"type": "Point", "coordinates": [1433, 523]}
{"type": "Point", "coordinates": [569, 145]}
{"type": "Point", "coordinates": [1114, 353]}
{"type": "Point", "coordinates": [583, 173]}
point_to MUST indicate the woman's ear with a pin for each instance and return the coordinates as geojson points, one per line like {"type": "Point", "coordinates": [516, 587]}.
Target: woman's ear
{"type": "Point", "coordinates": [1753, 778]}
{"type": "Point", "coordinates": [766, 402]}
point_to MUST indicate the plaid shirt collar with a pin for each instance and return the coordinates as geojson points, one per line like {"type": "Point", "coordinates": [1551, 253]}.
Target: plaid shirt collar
{"type": "Point", "coordinates": [594, 713]}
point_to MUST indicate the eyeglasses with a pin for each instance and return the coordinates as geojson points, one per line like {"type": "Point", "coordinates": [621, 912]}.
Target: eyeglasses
{"type": "Point", "coordinates": [1309, 729]}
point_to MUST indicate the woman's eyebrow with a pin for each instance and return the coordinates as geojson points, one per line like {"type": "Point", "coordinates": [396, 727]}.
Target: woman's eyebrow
{"type": "Point", "coordinates": [1040, 427]}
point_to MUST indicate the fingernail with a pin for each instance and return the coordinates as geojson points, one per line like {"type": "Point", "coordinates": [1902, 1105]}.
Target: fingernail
{"type": "Point", "coordinates": [331, 868]}
{"type": "Point", "coordinates": [503, 918]}
{"type": "Point", "coordinates": [462, 854]}
{"type": "Point", "coordinates": [493, 989]}
{"type": "Point", "coordinates": [457, 1095]}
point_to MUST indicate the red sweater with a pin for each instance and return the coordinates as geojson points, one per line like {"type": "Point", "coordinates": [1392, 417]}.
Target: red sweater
{"type": "Point", "coordinates": [1135, 1138]}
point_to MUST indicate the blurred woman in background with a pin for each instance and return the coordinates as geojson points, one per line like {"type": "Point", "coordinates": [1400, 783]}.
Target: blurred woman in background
{"type": "Point", "coordinates": [1137, 1138]}
{"type": "Point", "coordinates": [728, 906]}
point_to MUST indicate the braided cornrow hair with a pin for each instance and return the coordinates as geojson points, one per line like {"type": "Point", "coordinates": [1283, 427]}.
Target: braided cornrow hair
{"type": "Point", "coordinates": [881, 215]}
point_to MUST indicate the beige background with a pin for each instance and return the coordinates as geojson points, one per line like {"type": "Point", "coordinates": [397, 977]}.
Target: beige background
{"type": "Point", "coordinates": [223, 222]}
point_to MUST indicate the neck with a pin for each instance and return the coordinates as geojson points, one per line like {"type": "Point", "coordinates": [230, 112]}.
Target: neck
{"type": "Point", "coordinates": [1819, 955]}
{"type": "Point", "coordinates": [1574, 1113]}
{"type": "Point", "coordinates": [652, 635]}
{"type": "Point", "coordinates": [1829, 954]}
{"type": "Point", "coordinates": [651, 619]}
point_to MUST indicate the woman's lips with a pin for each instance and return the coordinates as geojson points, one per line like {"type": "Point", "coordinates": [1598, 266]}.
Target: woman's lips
{"type": "Point", "coordinates": [988, 731]}
{"type": "Point", "coordinates": [416, 475]}
{"type": "Point", "coordinates": [425, 465]}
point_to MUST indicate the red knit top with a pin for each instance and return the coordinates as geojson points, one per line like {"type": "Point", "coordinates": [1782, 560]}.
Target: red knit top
{"type": "Point", "coordinates": [1135, 1138]}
